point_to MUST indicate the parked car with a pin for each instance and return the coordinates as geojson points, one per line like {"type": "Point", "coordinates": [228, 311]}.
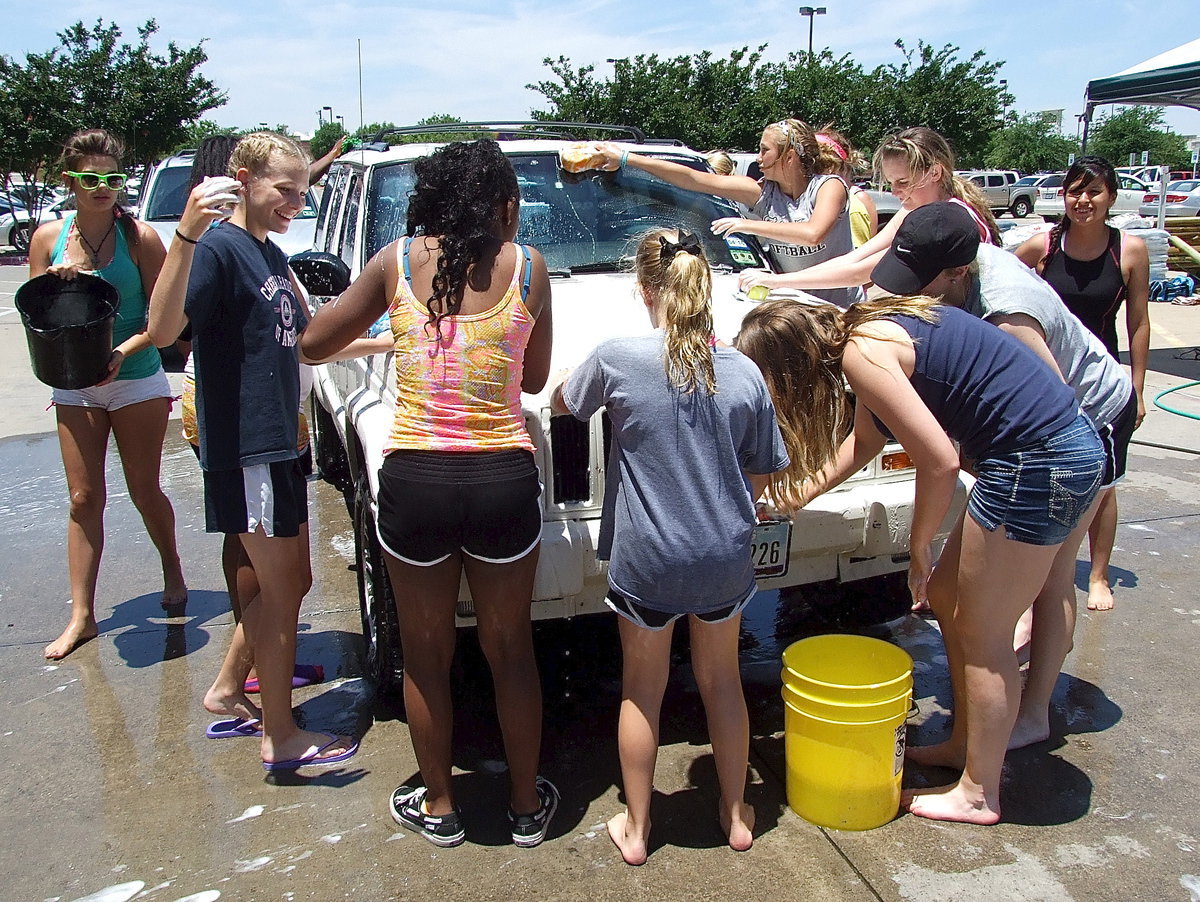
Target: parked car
{"type": "Point", "coordinates": [886, 204]}
{"type": "Point", "coordinates": [1183, 199]}
{"type": "Point", "coordinates": [1130, 192]}
{"type": "Point", "coordinates": [165, 194]}
{"type": "Point", "coordinates": [17, 225]}
{"type": "Point", "coordinates": [586, 225]}
{"type": "Point", "coordinates": [1000, 189]}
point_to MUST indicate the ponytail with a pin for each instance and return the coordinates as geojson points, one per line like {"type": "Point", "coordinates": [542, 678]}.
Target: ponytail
{"type": "Point", "coordinates": [672, 265]}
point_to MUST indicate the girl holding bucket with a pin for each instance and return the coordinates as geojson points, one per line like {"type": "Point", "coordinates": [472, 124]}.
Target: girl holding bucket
{"type": "Point", "coordinates": [694, 434]}
{"type": "Point", "coordinates": [927, 375]}
{"type": "Point", "coordinates": [133, 400]}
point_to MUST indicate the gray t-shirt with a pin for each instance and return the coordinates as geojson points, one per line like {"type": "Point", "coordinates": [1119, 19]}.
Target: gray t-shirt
{"type": "Point", "coordinates": [678, 516]}
{"type": "Point", "coordinates": [1006, 286]}
{"type": "Point", "coordinates": [773, 205]}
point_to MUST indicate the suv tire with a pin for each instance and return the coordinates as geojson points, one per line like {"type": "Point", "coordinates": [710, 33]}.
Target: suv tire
{"type": "Point", "coordinates": [21, 233]}
{"type": "Point", "coordinates": [1021, 208]}
{"type": "Point", "coordinates": [383, 662]}
{"type": "Point", "coordinates": [329, 457]}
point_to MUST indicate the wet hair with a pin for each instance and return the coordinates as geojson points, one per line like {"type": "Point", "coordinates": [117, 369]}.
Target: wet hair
{"type": "Point", "coordinates": [96, 142]}
{"type": "Point", "coordinates": [799, 347]}
{"type": "Point", "coordinates": [1081, 173]}
{"type": "Point", "coordinates": [849, 166]}
{"type": "Point", "coordinates": [681, 283]}
{"type": "Point", "coordinates": [258, 151]}
{"type": "Point", "coordinates": [815, 158]}
{"type": "Point", "coordinates": [720, 161]}
{"type": "Point", "coordinates": [211, 158]}
{"type": "Point", "coordinates": [460, 188]}
{"type": "Point", "coordinates": [921, 148]}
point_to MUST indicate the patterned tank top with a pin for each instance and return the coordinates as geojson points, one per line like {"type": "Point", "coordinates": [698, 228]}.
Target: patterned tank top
{"type": "Point", "coordinates": [460, 391]}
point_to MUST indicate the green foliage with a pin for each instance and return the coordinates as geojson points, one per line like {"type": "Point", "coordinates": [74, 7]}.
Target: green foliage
{"type": "Point", "coordinates": [198, 131]}
{"type": "Point", "coordinates": [434, 137]}
{"type": "Point", "coordinates": [324, 138]}
{"type": "Point", "coordinates": [709, 102]}
{"type": "Point", "coordinates": [1133, 130]}
{"type": "Point", "coordinates": [1030, 143]}
{"type": "Point", "coordinates": [91, 80]}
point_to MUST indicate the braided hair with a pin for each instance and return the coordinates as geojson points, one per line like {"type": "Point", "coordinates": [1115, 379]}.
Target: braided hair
{"type": "Point", "coordinates": [1082, 173]}
{"type": "Point", "coordinates": [459, 189]}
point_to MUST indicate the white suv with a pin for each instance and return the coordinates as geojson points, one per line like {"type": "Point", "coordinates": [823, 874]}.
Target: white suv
{"type": "Point", "coordinates": [586, 226]}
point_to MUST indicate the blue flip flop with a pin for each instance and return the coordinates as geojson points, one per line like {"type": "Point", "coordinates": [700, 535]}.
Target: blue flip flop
{"type": "Point", "coordinates": [312, 758]}
{"type": "Point", "coordinates": [234, 729]}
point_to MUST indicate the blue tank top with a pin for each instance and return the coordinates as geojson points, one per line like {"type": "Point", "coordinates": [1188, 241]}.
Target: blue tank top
{"type": "Point", "coordinates": [123, 273]}
{"type": "Point", "coordinates": [987, 390]}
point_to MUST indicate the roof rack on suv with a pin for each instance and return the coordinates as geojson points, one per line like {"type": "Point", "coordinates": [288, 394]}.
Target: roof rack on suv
{"type": "Point", "coordinates": [527, 128]}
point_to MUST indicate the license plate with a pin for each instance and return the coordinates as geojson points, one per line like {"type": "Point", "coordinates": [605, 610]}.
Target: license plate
{"type": "Point", "coordinates": [1049, 195]}
{"type": "Point", "coordinates": [769, 548]}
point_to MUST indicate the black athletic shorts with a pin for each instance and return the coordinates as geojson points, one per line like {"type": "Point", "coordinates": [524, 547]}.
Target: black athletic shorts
{"type": "Point", "coordinates": [272, 496]}
{"type": "Point", "coordinates": [435, 503]}
{"type": "Point", "coordinates": [1115, 438]}
{"type": "Point", "coordinates": [650, 619]}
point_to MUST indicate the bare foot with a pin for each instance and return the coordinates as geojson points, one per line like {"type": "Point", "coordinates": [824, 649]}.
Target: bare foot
{"type": "Point", "coordinates": [952, 803]}
{"type": "Point", "coordinates": [631, 846]}
{"type": "Point", "coordinates": [944, 754]}
{"type": "Point", "coordinates": [76, 633]}
{"type": "Point", "coordinates": [305, 744]}
{"type": "Point", "coordinates": [175, 593]}
{"type": "Point", "coordinates": [1029, 731]}
{"type": "Point", "coordinates": [1100, 597]}
{"type": "Point", "coordinates": [230, 704]}
{"type": "Point", "coordinates": [738, 824]}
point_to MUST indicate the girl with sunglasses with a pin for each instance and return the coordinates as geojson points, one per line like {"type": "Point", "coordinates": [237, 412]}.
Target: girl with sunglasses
{"type": "Point", "coordinates": [133, 400]}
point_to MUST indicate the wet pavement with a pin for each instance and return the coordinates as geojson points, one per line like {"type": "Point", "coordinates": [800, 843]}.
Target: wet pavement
{"type": "Point", "coordinates": [112, 791]}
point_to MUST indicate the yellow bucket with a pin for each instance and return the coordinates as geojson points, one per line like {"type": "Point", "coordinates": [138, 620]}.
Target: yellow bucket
{"type": "Point", "coordinates": [846, 700]}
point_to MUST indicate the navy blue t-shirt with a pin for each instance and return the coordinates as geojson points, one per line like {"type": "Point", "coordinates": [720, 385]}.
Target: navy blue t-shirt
{"type": "Point", "coordinates": [987, 390]}
{"type": "Point", "coordinates": [246, 322]}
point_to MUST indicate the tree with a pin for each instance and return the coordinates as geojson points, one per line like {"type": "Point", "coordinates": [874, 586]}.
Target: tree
{"type": "Point", "coordinates": [1030, 144]}
{"type": "Point", "coordinates": [324, 138]}
{"type": "Point", "coordinates": [1135, 129]}
{"type": "Point", "coordinates": [91, 80]}
{"type": "Point", "coordinates": [706, 101]}
{"type": "Point", "coordinates": [195, 133]}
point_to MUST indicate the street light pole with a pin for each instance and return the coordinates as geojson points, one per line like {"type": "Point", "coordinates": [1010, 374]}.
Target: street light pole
{"type": "Point", "coordinates": [1003, 100]}
{"type": "Point", "coordinates": [810, 12]}
{"type": "Point", "coordinates": [320, 121]}
{"type": "Point", "coordinates": [330, 109]}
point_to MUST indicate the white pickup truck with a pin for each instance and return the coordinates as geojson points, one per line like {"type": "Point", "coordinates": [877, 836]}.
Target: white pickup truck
{"type": "Point", "coordinates": [586, 226]}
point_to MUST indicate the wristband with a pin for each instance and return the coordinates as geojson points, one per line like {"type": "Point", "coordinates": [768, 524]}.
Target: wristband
{"type": "Point", "coordinates": [624, 159]}
{"type": "Point", "coordinates": [183, 237]}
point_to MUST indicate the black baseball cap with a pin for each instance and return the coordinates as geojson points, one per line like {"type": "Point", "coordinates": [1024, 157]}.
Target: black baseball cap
{"type": "Point", "coordinates": [932, 238]}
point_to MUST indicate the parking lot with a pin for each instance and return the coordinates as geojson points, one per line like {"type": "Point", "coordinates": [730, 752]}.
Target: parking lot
{"type": "Point", "coordinates": [111, 781]}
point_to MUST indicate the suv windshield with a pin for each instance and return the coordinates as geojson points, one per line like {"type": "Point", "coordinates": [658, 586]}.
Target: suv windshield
{"type": "Point", "coordinates": [590, 220]}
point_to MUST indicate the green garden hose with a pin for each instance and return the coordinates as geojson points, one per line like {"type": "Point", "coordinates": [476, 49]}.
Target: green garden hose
{"type": "Point", "coordinates": [1159, 403]}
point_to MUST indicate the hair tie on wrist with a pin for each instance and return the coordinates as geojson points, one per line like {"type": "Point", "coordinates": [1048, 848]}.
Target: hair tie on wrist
{"type": "Point", "coordinates": [624, 159]}
{"type": "Point", "coordinates": [183, 237]}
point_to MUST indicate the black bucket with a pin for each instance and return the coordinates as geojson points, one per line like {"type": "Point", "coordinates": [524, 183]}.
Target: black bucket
{"type": "Point", "coordinates": [69, 327]}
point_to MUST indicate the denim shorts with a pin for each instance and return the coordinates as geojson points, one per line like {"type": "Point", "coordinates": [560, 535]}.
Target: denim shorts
{"type": "Point", "coordinates": [117, 394]}
{"type": "Point", "coordinates": [1039, 493]}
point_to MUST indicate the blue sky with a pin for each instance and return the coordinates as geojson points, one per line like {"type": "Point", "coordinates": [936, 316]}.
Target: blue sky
{"type": "Point", "coordinates": [280, 62]}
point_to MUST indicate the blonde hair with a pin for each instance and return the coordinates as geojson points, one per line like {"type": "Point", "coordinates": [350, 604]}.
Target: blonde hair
{"type": "Point", "coordinates": [255, 151]}
{"type": "Point", "coordinates": [681, 284]}
{"type": "Point", "coordinates": [849, 166]}
{"type": "Point", "coordinates": [921, 148]}
{"type": "Point", "coordinates": [799, 347]}
{"type": "Point", "coordinates": [720, 161]}
{"type": "Point", "coordinates": [799, 136]}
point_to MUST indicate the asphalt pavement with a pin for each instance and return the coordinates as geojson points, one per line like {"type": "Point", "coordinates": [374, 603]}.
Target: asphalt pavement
{"type": "Point", "coordinates": [112, 791]}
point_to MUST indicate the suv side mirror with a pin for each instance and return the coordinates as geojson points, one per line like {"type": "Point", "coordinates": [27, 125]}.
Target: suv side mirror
{"type": "Point", "coordinates": [323, 274]}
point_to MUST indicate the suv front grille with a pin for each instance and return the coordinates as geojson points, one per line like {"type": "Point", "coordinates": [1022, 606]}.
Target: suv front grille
{"type": "Point", "coordinates": [570, 441]}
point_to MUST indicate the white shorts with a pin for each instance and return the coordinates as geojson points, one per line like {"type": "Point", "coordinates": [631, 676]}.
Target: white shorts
{"type": "Point", "coordinates": [117, 394]}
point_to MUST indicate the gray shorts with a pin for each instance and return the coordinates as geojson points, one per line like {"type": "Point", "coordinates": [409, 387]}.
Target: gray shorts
{"type": "Point", "coordinates": [117, 394]}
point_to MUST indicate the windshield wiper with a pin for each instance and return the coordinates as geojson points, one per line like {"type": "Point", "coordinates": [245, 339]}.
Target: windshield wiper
{"type": "Point", "coordinates": [600, 266]}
